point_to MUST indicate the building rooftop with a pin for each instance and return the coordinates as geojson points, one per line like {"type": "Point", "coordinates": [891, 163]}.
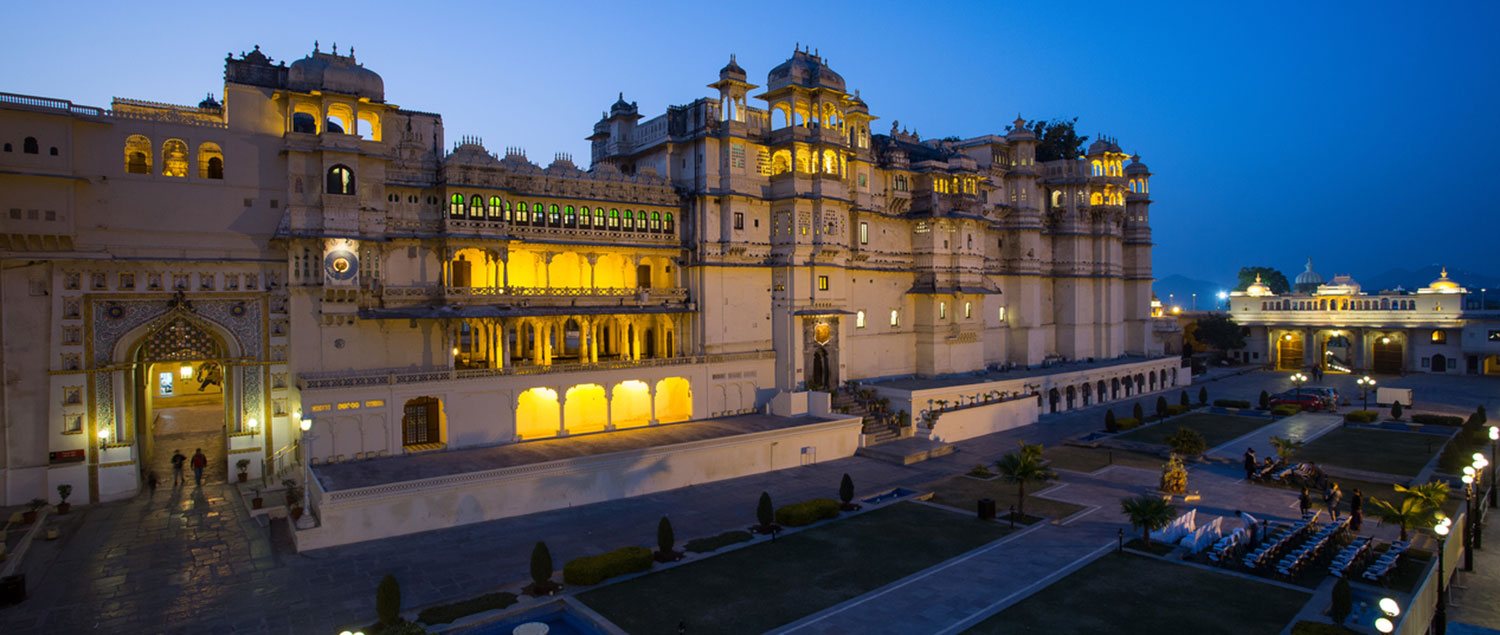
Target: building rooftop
{"type": "Point", "coordinates": [979, 377]}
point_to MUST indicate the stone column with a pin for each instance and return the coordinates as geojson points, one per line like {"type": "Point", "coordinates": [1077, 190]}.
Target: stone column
{"type": "Point", "coordinates": [562, 414]}
{"type": "Point", "coordinates": [651, 393]}
{"type": "Point", "coordinates": [593, 260]}
{"type": "Point", "coordinates": [505, 269]}
{"type": "Point", "coordinates": [536, 342]}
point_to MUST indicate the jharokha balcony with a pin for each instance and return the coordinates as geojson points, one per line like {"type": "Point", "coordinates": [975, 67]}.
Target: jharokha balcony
{"type": "Point", "coordinates": [603, 297]}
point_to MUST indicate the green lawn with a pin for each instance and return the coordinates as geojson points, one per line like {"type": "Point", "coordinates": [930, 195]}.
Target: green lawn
{"type": "Point", "coordinates": [962, 492]}
{"type": "Point", "coordinates": [1080, 459]}
{"type": "Point", "coordinates": [1216, 429]}
{"type": "Point", "coordinates": [757, 588]}
{"type": "Point", "coordinates": [1125, 594]}
{"type": "Point", "coordinates": [1384, 451]}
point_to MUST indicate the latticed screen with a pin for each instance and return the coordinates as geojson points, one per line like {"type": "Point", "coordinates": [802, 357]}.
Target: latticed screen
{"type": "Point", "coordinates": [181, 339]}
{"type": "Point", "coordinates": [420, 421]}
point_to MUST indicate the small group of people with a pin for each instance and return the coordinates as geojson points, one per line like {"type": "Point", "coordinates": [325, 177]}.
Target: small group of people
{"type": "Point", "coordinates": [1332, 495]}
{"type": "Point", "coordinates": [1316, 372]}
{"type": "Point", "coordinates": [198, 462]}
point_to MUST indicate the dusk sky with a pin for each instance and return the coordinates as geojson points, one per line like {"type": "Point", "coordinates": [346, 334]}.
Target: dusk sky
{"type": "Point", "coordinates": [1357, 134]}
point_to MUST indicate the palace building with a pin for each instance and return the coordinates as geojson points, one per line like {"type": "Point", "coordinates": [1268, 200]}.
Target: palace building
{"type": "Point", "coordinates": [1337, 325]}
{"type": "Point", "coordinates": [300, 248]}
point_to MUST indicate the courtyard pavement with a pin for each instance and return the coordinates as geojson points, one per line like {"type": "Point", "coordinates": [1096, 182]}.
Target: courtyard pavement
{"type": "Point", "coordinates": [194, 560]}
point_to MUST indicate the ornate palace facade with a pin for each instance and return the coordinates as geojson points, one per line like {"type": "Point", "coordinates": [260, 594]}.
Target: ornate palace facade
{"type": "Point", "coordinates": [307, 249]}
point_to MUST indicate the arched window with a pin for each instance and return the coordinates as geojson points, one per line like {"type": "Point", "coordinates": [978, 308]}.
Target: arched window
{"type": "Point", "coordinates": [628, 220]}
{"type": "Point", "coordinates": [859, 319]}
{"type": "Point", "coordinates": [1439, 337]}
{"type": "Point", "coordinates": [29, 146]}
{"type": "Point", "coordinates": [455, 206]}
{"type": "Point", "coordinates": [656, 221]}
{"type": "Point", "coordinates": [174, 158]}
{"type": "Point", "coordinates": [614, 218]}
{"type": "Point", "coordinates": [538, 214]}
{"type": "Point", "coordinates": [554, 218]}
{"type": "Point", "coordinates": [522, 214]}
{"type": "Point", "coordinates": [667, 218]}
{"type": "Point", "coordinates": [340, 119]}
{"type": "Point", "coordinates": [304, 122]}
{"type": "Point", "coordinates": [496, 208]}
{"type": "Point", "coordinates": [598, 217]}
{"type": "Point", "coordinates": [210, 161]}
{"type": "Point", "coordinates": [570, 216]}
{"type": "Point", "coordinates": [476, 207]}
{"type": "Point", "coordinates": [341, 180]}
{"type": "Point", "coordinates": [137, 155]}
{"type": "Point", "coordinates": [369, 125]}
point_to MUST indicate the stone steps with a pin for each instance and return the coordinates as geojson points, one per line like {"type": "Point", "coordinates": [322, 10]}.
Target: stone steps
{"type": "Point", "coordinates": [906, 451]}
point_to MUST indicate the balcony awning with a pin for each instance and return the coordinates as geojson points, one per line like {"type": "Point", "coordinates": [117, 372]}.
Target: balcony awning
{"type": "Point", "coordinates": [822, 312]}
{"type": "Point", "coordinates": [928, 288]}
{"type": "Point", "coordinates": [492, 311]}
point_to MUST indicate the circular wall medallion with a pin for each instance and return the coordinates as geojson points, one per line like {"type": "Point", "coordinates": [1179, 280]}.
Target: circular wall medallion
{"type": "Point", "coordinates": [238, 310]}
{"type": "Point", "coordinates": [822, 332]}
{"type": "Point", "coordinates": [341, 264]}
{"type": "Point", "coordinates": [114, 312]}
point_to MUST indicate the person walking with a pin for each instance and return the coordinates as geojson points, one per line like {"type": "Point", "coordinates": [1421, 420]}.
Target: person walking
{"type": "Point", "coordinates": [199, 462]}
{"type": "Point", "coordinates": [1250, 463]}
{"type": "Point", "coordinates": [1333, 505]}
{"type": "Point", "coordinates": [151, 481]}
{"type": "Point", "coordinates": [177, 462]}
{"type": "Point", "coordinates": [1356, 510]}
{"type": "Point", "coordinates": [1304, 501]}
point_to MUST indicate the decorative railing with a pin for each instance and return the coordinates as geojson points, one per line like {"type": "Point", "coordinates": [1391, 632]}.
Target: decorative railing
{"type": "Point", "coordinates": [427, 293]}
{"type": "Point", "coordinates": [418, 375]}
{"type": "Point", "coordinates": [168, 114]}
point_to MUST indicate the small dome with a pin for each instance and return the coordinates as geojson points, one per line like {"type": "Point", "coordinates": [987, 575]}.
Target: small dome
{"type": "Point", "coordinates": [1136, 167]}
{"type": "Point", "coordinates": [732, 70]}
{"type": "Point", "coordinates": [1099, 146]}
{"type": "Point", "coordinates": [335, 73]}
{"type": "Point", "coordinates": [1019, 131]}
{"type": "Point", "coordinates": [1444, 284]}
{"type": "Point", "coordinates": [209, 103]}
{"type": "Point", "coordinates": [1308, 276]}
{"type": "Point", "coordinates": [1258, 289]}
{"type": "Point", "coordinates": [804, 69]}
{"type": "Point", "coordinates": [622, 107]}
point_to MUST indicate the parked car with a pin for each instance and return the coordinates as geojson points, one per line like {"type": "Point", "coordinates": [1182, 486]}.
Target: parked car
{"type": "Point", "coordinates": [1307, 401]}
{"type": "Point", "coordinates": [1330, 395]}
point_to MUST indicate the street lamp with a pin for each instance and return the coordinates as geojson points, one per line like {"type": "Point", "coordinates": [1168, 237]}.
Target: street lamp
{"type": "Point", "coordinates": [1297, 380]}
{"type": "Point", "coordinates": [1440, 616]}
{"type": "Point", "coordinates": [1195, 302]}
{"type": "Point", "coordinates": [306, 425]}
{"type": "Point", "coordinates": [1478, 525]}
{"type": "Point", "coordinates": [1494, 436]}
{"type": "Point", "coordinates": [1366, 384]}
{"type": "Point", "coordinates": [1223, 295]}
{"type": "Point", "coordinates": [1468, 479]}
{"type": "Point", "coordinates": [1389, 607]}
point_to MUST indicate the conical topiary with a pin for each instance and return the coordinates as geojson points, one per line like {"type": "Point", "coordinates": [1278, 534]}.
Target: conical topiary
{"type": "Point", "coordinates": [388, 600]}
{"type": "Point", "coordinates": [764, 512]}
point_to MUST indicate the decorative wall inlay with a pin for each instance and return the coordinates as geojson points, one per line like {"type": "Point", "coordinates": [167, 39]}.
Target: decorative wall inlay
{"type": "Point", "coordinates": [278, 381]}
{"type": "Point", "coordinates": [98, 281]}
{"type": "Point", "coordinates": [250, 394]}
{"type": "Point", "coordinates": [180, 281]}
{"type": "Point", "coordinates": [125, 315]}
{"type": "Point", "coordinates": [72, 335]}
{"type": "Point", "coordinates": [71, 281]}
{"type": "Point", "coordinates": [153, 281]}
{"type": "Point", "coordinates": [72, 395]}
{"type": "Point", "coordinates": [206, 281]}
{"type": "Point", "coordinates": [231, 282]}
{"type": "Point", "coordinates": [72, 361]}
{"type": "Point", "coordinates": [127, 282]}
{"type": "Point", "coordinates": [70, 309]}
{"type": "Point", "coordinates": [251, 281]}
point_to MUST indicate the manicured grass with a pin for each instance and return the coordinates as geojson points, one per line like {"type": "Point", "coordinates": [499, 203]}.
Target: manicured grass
{"type": "Point", "coordinates": [714, 543]}
{"type": "Point", "coordinates": [1383, 451]}
{"type": "Point", "coordinates": [1216, 429]}
{"type": "Point", "coordinates": [962, 492]}
{"type": "Point", "coordinates": [757, 588]}
{"type": "Point", "coordinates": [1127, 594]}
{"type": "Point", "coordinates": [449, 612]}
{"type": "Point", "coordinates": [1080, 459]}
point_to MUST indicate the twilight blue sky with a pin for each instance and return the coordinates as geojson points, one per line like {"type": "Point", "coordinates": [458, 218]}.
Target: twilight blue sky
{"type": "Point", "coordinates": [1357, 133]}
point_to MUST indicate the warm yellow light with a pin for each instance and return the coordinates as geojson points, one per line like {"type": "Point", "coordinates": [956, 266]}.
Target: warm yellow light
{"type": "Point", "coordinates": [1441, 530]}
{"type": "Point", "coordinates": [103, 434]}
{"type": "Point", "coordinates": [186, 372]}
{"type": "Point", "coordinates": [1468, 479]}
{"type": "Point", "coordinates": [1176, 310]}
{"type": "Point", "coordinates": [1287, 337]}
{"type": "Point", "coordinates": [252, 423]}
{"type": "Point", "coordinates": [1385, 340]}
{"type": "Point", "coordinates": [1389, 607]}
{"type": "Point", "coordinates": [455, 351]}
{"type": "Point", "coordinates": [1384, 625]}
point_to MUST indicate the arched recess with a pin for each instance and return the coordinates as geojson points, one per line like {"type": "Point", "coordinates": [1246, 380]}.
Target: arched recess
{"type": "Point", "coordinates": [174, 158]}
{"type": "Point", "coordinates": [369, 125]}
{"type": "Point", "coordinates": [306, 118]}
{"type": "Point", "coordinates": [674, 400]}
{"type": "Point", "coordinates": [585, 409]}
{"type": "Point", "coordinates": [340, 119]}
{"type": "Point", "coordinates": [630, 404]}
{"type": "Point", "coordinates": [1102, 391]}
{"type": "Point", "coordinates": [1289, 351]}
{"type": "Point", "coordinates": [138, 152]}
{"type": "Point", "coordinates": [538, 415]}
{"type": "Point", "coordinates": [566, 271]}
{"type": "Point", "coordinates": [210, 161]}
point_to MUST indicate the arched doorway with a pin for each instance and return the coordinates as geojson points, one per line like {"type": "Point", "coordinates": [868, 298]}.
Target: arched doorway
{"type": "Point", "coordinates": [1389, 355]}
{"type": "Point", "coordinates": [819, 378]}
{"type": "Point", "coordinates": [1439, 363]}
{"type": "Point", "coordinates": [421, 422]}
{"type": "Point", "coordinates": [179, 391]}
{"type": "Point", "coordinates": [1072, 397]}
{"type": "Point", "coordinates": [1289, 351]}
{"type": "Point", "coordinates": [1053, 397]}
{"type": "Point", "coordinates": [1114, 388]}
{"type": "Point", "coordinates": [1102, 391]}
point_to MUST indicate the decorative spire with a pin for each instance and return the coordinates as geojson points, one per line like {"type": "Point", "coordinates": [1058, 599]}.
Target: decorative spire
{"type": "Point", "coordinates": [1445, 272]}
{"type": "Point", "coordinates": [1309, 263]}
{"type": "Point", "coordinates": [315, 46]}
{"type": "Point", "coordinates": [335, 48]}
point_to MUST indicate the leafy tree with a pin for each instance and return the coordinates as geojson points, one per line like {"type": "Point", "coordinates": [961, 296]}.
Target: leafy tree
{"type": "Point", "coordinates": [1174, 476]}
{"type": "Point", "coordinates": [1432, 494]}
{"type": "Point", "coordinates": [1269, 276]}
{"type": "Point", "coordinates": [388, 601]}
{"type": "Point", "coordinates": [1396, 411]}
{"type": "Point", "coordinates": [1187, 350]}
{"type": "Point", "coordinates": [1161, 406]}
{"type": "Point", "coordinates": [1109, 422]}
{"type": "Point", "coordinates": [1203, 395]}
{"type": "Point", "coordinates": [1410, 513]}
{"type": "Point", "coordinates": [1286, 448]}
{"type": "Point", "coordinates": [1139, 412]}
{"type": "Point", "coordinates": [1183, 400]}
{"type": "Point", "coordinates": [541, 567]}
{"type": "Point", "coordinates": [1149, 512]}
{"type": "Point", "coordinates": [764, 512]}
{"type": "Point", "coordinates": [1220, 332]}
{"type": "Point", "coordinates": [846, 490]}
{"type": "Point", "coordinates": [1187, 442]}
{"type": "Point", "coordinates": [1265, 400]}
{"type": "Point", "coordinates": [665, 538]}
{"type": "Point", "coordinates": [1022, 466]}
{"type": "Point", "coordinates": [1058, 139]}
{"type": "Point", "coordinates": [1343, 602]}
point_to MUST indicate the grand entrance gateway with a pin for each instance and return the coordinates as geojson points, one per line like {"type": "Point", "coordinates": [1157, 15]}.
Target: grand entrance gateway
{"type": "Point", "coordinates": [306, 279]}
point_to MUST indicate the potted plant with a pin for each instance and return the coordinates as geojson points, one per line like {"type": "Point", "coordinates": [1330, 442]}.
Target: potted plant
{"type": "Point", "coordinates": [36, 505]}
{"type": "Point", "coordinates": [63, 492]}
{"type": "Point", "coordinates": [243, 465]}
{"type": "Point", "coordinates": [293, 499]}
{"type": "Point", "coordinates": [257, 501]}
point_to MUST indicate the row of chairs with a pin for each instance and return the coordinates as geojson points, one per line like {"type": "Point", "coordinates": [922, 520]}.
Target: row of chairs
{"type": "Point", "coordinates": [1310, 549]}
{"type": "Point", "coordinates": [1352, 554]}
{"type": "Point", "coordinates": [1280, 536]}
{"type": "Point", "coordinates": [1224, 547]}
{"type": "Point", "coordinates": [1386, 563]}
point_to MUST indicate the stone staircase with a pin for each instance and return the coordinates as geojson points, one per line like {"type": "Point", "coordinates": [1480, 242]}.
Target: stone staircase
{"type": "Point", "coordinates": [876, 431]}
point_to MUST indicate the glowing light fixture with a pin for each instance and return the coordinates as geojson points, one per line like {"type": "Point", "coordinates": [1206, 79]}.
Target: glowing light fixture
{"type": "Point", "coordinates": [1468, 470]}
{"type": "Point", "coordinates": [103, 437]}
{"type": "Point", "coordinates": [306, 424]}
{"type": "Point", "coordinates": [186, 372]}
{"type": "Point", "coordinates": [1478, 456]}
{"type": "Point", "coordinates": [1385, 340]}
{"type": "Point", "coordinates": [1494, 433]}
{"type": "Point", "coordinates": [1384, 625]}
{"type": "Point", "coordinates": [252, 423]}
{"type": "Point", "coordinates": [1389, 607]}
{"type": "Point", "coordinates": [1468, 479]}
{"type": "Point", "coordinates": [1441, 530]}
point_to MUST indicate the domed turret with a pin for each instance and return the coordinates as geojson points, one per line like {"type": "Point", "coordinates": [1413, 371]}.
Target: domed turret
{"type": "Point", "coordinates": [1136, 167]}
{"type": "Point", "coordinates": [732, 71]}
{"type": "Point", "coordinates": [1098, 147]}
{"type": "Point", "coordinates": [1258, 289]}
{"type": "Point", "coordinates": [1019, 131]}
{"type": "Point", "coordinates": [1443, 284]}
{"type": "Point", "coordinates": [622, 107]}
{"type": "Point", "coordinates": [334, 73]}
{"type": "Point", "coordinates": [209, 103]}
{"type": "Point", "coordinates": [804, 69]}
{"type": "Point", "coordinates": [1308, 280]}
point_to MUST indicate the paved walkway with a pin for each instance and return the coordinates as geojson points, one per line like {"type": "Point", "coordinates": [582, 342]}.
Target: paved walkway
{"type": "Point", "coordinates": [1304, 427]}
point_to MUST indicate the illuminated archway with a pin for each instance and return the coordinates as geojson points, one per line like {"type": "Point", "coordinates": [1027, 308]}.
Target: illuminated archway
{"type": "Point", "coordinates": [674, 400]}
{"type": "Point", "coordinates": [630, 404]}
{"type": "Point", "coordinates": [585, 409]}
{"type": "Point", "coordinates": [1289, 351]}
{"type": "Point", "coordinates": [538, 414]}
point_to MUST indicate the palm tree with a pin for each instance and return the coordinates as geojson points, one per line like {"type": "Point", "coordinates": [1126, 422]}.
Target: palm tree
{"type": "Point", "coordinates": [1148, 512]}
{"type": "Point", "coordinates": [1022, 466]}
{"type": "Point", "coordinates": [1286, 447]}
{"type": "Point", "coordinates": [1432, 495]}
{"type": "Point", "coordinates": [1410, 513]}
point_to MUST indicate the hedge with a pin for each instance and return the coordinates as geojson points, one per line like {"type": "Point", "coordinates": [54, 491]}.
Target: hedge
{"type": "Point", "coordinates": [1286, 410]}
{"type": "Point", "coordinates": [595, 569]}
{"type": "Point", "coordinates": [807, 512]}
{"type": "Point", "coordinates": [1127, 423]}
{"type": "Point", "coordinates": [712, 543]}
{"type": "Point", "coordinates": [1231, 403]}
{"type": "Point", "coordinates": [1437, 420]}
{"type": "Point", "coordinates": [1361, 416]}
{"type": "Point", "coordinates": [450, 612]}
{"type": "Point", "coordinates": [1174, 410]}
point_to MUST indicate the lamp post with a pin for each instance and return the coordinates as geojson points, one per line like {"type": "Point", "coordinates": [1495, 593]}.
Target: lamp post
{"type": "Point", "coordinates": [1366, 384]}
{"type": "Point", "coordinates": [1477, 520]}
{"type": "Point", "coordinates": [1494, 437]}
{"type": "Point", "coordinates": [1223, 299]}
{"type": "Point", "coordinates": [1389, 607]}
{"type": "Point", "coordinates": [306, 425]}
{"type": "Point", "coordinates": [1440, 616]}
{"type": "Point", "coordinates": [1468, 479]}
{"type": "Point", "coordinates": [1297, 380]}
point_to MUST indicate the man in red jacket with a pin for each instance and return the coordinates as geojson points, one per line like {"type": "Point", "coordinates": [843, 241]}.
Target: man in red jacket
{"type": "Point", "coordinates": [199, 462]}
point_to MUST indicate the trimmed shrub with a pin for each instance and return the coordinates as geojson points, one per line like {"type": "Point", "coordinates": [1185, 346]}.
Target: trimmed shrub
{"type": "Point", "coordinates": [1128, 423]}
{"type": "Point", "coordinates": [1110, 424]}
{"type": "Point", "coordinates": [1396, 411]}
{"type": "Point", "coordinates": [1161, 407]}
{"type": "Point", "coordinates": [1138, 412]}
{"type": "Point", "coordinates": [388, 600]}
{"type": "Point", "coordinates": [1286, 410]}
{"type": "Point", "coordinates": [764, 512]}
{"type": "Point", "coordinates": [1187, 442]}
{"type": "Point", "coordinates": [665, 538]}
{"type": "Point", "coordinates": [1343, 601]}
{"type": "Point", "coordinates": [1265, 400]}
{"type": "Point", "coordinates": [980, 471]}
{"type": "Point", "coordinates": [1361, 416]}
{"type": "Point", "coordinates": [541, 565]}
{"type": "Point", "coordinates": [450, 612]}
{"type": "Point", "coordinates": [595, 569]}
{"type": "Point", "coordinates": [1437, 420]}
{"type": "Point", "coordinates": [1203, 395]}
{"type": "Point", "coordinates": [846, 489]}
{"type": "Point", "coordinates": [712, 543]}
{"type": "Point", "coordinates": [807, 512]}
{"type": "Point", "coordinates": [1183, 400]}
{"type": "Point", "coordinates": [1173, 411]}
{"type": "Point", "coordinates": [1232, 403]}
